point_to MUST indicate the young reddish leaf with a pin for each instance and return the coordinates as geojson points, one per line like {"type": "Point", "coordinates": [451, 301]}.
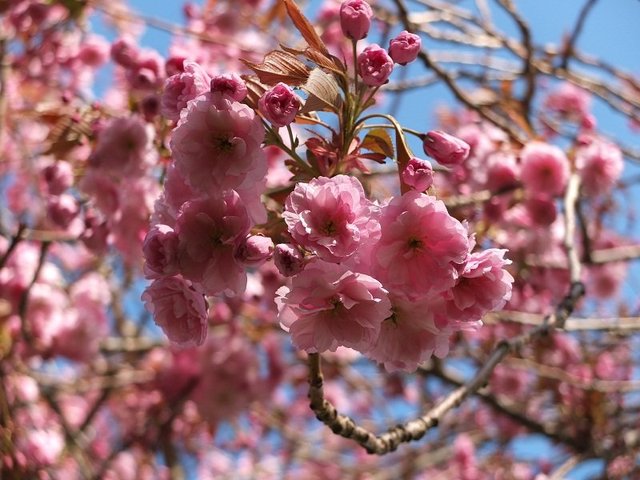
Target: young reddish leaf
{"type": "Point", "coordinates": [324, 93]}
{"type": "Point", "coordinates": [255, 89]}
{"type": "Point", "coordinates": [378, 141]}
{"type": "Point", "coordinates": [305, 27]}
{"type": "Point", "coordinates": [376, 157]}
{"type": "Point", "coordinates": [279, 66]}
{"type": "Point", "coordinates": [277, 12]}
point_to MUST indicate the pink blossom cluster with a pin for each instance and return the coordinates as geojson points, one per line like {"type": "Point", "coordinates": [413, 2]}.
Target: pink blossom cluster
{"type": "Point", "coordinates": [392, 281]}
{"type": "Point", "coordinates": [200, 243]}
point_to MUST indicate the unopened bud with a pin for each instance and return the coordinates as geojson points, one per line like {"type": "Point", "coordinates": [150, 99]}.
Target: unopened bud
{"type": "Point", "coordinates": [445, 149]}
{"type": "Point", "coordinates": [405, 47]}
{"type": "Point", "coordinates": [418, 174]}
{"type": "Point", "coordinates": [288, 259]}
{"type": "Point", "coordinates": [254, 251]}
{"type": "Point", "coordinates": [355, 18]}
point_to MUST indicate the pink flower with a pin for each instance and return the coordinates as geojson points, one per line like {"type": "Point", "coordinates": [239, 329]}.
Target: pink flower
{"type": "Point", "coordinates": [96, 232]}
{"type": "Point", "coordinates": [569, 100]}
{"type": "Point", "coordinates": [604, 281]}
{"type": "Point", "coordinates": [210, 230]}
{"type": "Point", "coordinates": [600, 164]}
{"type": "Point", "coordinates": [147, 73]}
{"type": "Point", "coordinates": [230, 376]}
{"type": "Point", "coordinates": [58, 176]}
{"type": "Point", "coordinates": [502, 171]}
{"type": "Point", "coordinates": [229, 86]}
{"type": "Point", "coordinates": [421, 246]}
{"type": "Point", "coordinates": [374, 65]}
{"type": "Point", "coordinates": [61, 210]}
{"type": "Point", "coordinates": [123, 148]}
{"type": "Point", "coordinates": [279, 105]}
{"type": "Point", "coordinates": [541, 209]}
{"type": "Point", "coordinates": [217, 149]}
{"type": "Point", "coordinates": [160, 249]}
{"type": "Point", "coordinates": [331, 217]}
{"type": "Point", "coordinates": [408, 337]}
{"type": "Point", "coordinates": [545, 168]}
{"type": "Point", "coordinates": [483, 286]}
{"type": "Point", "coordinates": [254, 251]}
{"type": "Point", "coordinates": [445, 149]}
{"type": "Point", "coordinates": [329, 305]}
{"type": "Point", "coordinates": [124, 53]}
{"type": "Point", "coordinates": [355, 18]}
{"type": "Point", "coordinates": [418, 174]}
{"type": "Point", "coordinates": [288, 259]}
{"type": "Point", "coordinates": [182, 87]}
{"type": "Point", "coordinates": [405, 47]}
{"type": "Point", "coordinates": [178, 309]}
{"type": "Point", "coordinates": [94, 51]}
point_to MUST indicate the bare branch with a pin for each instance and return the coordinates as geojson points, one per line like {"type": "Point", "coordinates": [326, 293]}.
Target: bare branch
{"type": "Point", "coordinates": [570, 45]}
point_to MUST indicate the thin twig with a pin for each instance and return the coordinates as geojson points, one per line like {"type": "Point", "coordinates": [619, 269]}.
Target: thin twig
{"type": "Point", "coordinates": [571, 42]}
{"type": "Point", "coordinates": [528, 69]}
{"type": "Point", "coordinates": [15, 240]}
{"type": "Point", "coordinates": [509, 409]}
{"type": "Point", "coordinates": [618, 324]}
{"type": "Point", "coordinates": [462, 96]}
{"type": "Point", "coordinates": [566, 467]}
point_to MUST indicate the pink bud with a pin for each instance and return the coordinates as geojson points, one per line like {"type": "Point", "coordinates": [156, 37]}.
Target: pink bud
{"type": "Point", "coordinates": [279, 105]}
{"type": "Point", "coordinates": [174, 66]}
{"type": "Point", "coordinates": [96, 232]}
{"type": "Point", "coordinates": [418, 174]}
{"type": "Point", "coordinates": [179, 309]}
{"type": "Point", "coordinates": [229, 85]}
{"type": "Point", "coordinates": [124, 53]}
{"type": "Point", "coordinates": [541, 209]}
{"type": "Point", "coordinates": [405, 47]}
{"type": "Point", "coordinates": [160, 249]}
{"type": "Point", "coordinates": [254, 251]}
{"type": "Point", "coordinates": [94, 52]}
{"type": "Point", "coordinates": [445, 149]}
{"type": "Point", "coordinates": [288, 259]}
{"type": "Point", "coordinates": [150, 107]}
{"type": "Point", "coordinates": [355, 18]}
{"type": "Point", "coordinates": [62, 210]}
{"type": "Point", "coordinates": [59, 177]}
{"type": "Point", "coordinates": [375, 65]}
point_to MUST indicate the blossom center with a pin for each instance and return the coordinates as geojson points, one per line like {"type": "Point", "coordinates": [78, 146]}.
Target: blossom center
{"type": "Point", "coordinates": [330, 228]}
{"type": "Point", "coordinates": [415, 244]}
{"type": "Point", "coordinates": [223, 144]}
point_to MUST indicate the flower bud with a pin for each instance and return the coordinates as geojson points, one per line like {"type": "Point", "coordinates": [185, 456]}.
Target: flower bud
{"type": "Point", "coordinates": [374, 65]}
{"type": "Point", "coordinates": [418, 174]}
{"type": "Point", "coordinates": [96, 232]}
{"type": "Point", "coordinates": [229, 85]}
{"type": "Point", "coordinates": [405, 47]}
{"type": "Point", "coordinates": [58, 176]}
{"type": "Point", "coordinates": [445, 149]}
{"type": "Point", "coordinates": [124, 53]}
{"type": "Point", "coordinates": [355, 18]}
{"type": "Point", "coordinates": [160, 249]}
{"type": "Point", "coordinates": [541, 209]}
{"type": "Point", "coordinates": [279, 105]}
{"type": "Point", "coordinates": [288, 259]}
{"type": "Point", "coordinates": [254, 251]}
{"type": "Point", "coordinates": [62, 210]}
{"type": "Point", "coordinates": [179, 89]}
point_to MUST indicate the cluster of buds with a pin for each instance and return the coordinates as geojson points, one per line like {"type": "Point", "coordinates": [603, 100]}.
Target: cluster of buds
{"type": "Point", "coordinates": [375, 64]}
